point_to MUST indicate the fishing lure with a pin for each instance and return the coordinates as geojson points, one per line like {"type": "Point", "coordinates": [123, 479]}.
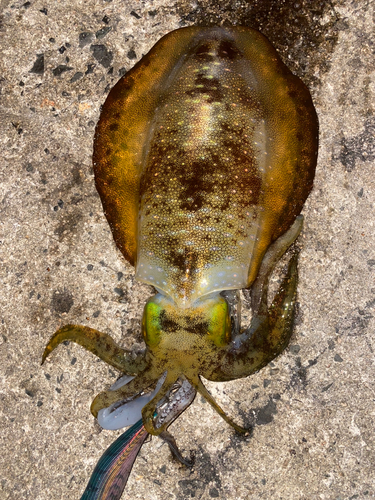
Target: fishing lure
{"type": "Point", "coordinates": [204, 155]}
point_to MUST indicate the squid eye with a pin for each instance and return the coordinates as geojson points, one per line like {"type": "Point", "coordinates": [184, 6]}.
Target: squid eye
{"type": "Point", "coordinates": [219, 327]}
{"type": "Point", "coordinates": [151, 325]}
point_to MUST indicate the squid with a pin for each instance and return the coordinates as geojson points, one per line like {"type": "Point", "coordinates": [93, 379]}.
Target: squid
{"type": "Point", "coordinates": [204, 155]}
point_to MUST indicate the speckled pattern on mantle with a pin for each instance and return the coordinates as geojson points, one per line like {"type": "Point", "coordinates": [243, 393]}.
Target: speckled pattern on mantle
{"type": "Point", "coordinates": [313, 408]}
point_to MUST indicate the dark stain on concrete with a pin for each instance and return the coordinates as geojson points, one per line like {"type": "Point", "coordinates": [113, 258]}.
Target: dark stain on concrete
{"type": "Point", "coordinates": [207, 474]}
{"type": "Point", "coordinates": [62, 301]}
{"type": "Point", "coordinates": [358, 148]}
{"type": "Point", "coordinates": [68, 225]}
{"type": "Point", "coordinates": [356, 323]}
{"type": "Point", "coordinates": [304, 32]}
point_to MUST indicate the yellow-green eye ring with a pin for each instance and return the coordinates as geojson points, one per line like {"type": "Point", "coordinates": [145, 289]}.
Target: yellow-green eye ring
{"type": "Point", "coordinates": [151, 326]}
{"type": "Point", "coordinates": [219, 324]}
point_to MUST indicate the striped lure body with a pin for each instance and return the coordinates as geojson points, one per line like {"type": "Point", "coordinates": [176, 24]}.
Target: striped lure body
{"type": "Point", "coordinates": [204, 155]}
{"type": "Point", "coordinates": [112, 471]}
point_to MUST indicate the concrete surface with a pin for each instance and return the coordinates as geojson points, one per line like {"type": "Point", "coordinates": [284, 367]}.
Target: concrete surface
{"type": "Point", "coordinates": [313, 408]}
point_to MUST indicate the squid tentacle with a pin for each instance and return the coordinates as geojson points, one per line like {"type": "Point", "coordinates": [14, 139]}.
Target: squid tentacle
{"type": "Point", "coordinates": [149, 411]}
{"type": "Point", "coordinates": [197, 383]}
{"type": "Point", "coordinates": [171, 442]}
{"type": "Point", "coordinates": [168, 409]}
{"type": "Point", "coordinates": [267, 335]}
{"type": "Point", "coordinates": [120, 415]}
{"type": "Point", "coordinates": [141, 382]}
{"type": "Point", "coordinates": [100, 344]}
{"type": "Point", "coordinates": [259, 289]}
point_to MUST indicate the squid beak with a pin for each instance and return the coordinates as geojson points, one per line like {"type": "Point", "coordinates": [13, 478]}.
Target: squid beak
{"type": "Point", "coordinates": [111, 473]}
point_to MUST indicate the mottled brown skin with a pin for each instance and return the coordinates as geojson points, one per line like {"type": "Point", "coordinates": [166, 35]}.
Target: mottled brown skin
{"type": "Point", "coordinates": [128, 143]}
{"type": "Point", "coordinates": [204, 155]}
